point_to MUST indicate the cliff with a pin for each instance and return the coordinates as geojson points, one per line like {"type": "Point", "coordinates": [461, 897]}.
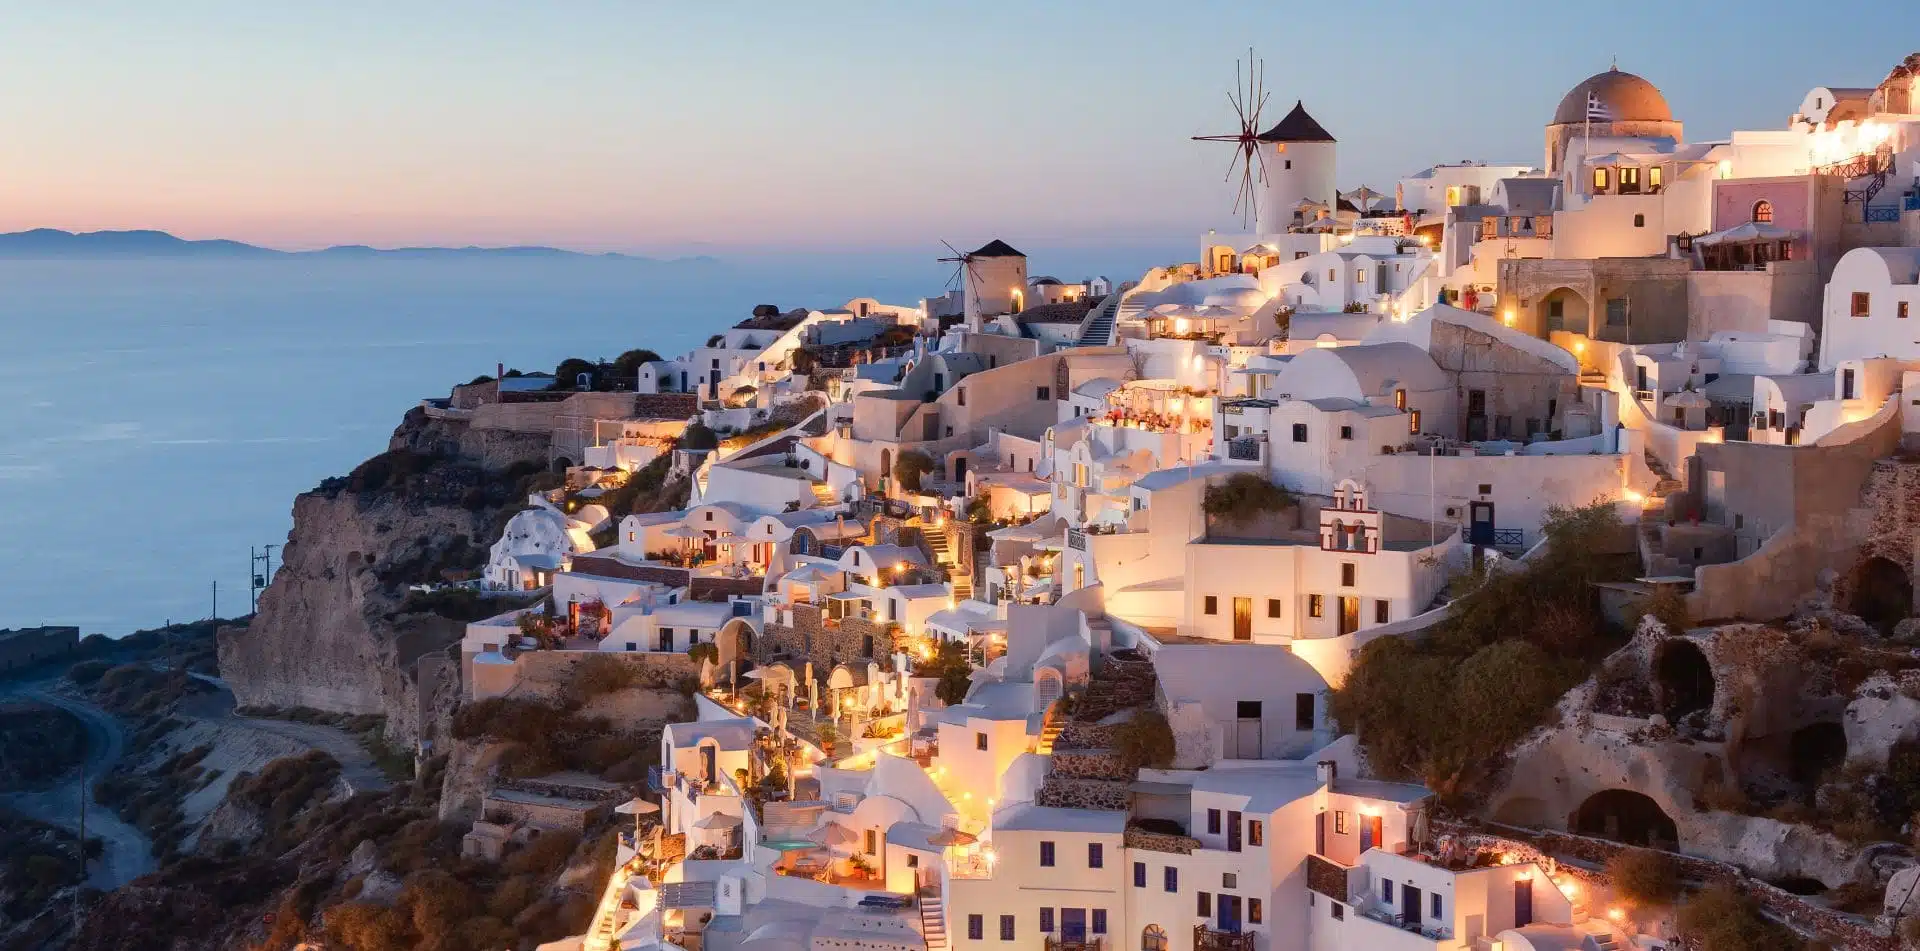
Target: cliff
{"type": "Point", "coordinates": [331, 631]}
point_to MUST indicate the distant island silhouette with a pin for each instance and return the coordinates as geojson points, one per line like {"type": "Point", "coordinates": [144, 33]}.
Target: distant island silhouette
{"type": "Point", "coordinates": [50, 243]}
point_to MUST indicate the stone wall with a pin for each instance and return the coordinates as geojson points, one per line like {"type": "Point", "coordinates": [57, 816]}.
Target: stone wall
{"type": "Point", "coordinates": [811, 638]}
{"type": "Point", "coordinates": [1163, 842]}
{"type": "Point", "coordinates": [1089, 764]}
{"type": "Point", "coordinates": [1068, 792]}
{"type": "Point", "coordinates": [1655, 290]}
{"type": "Point", "coordinates": [549, 675]}
{"type": "Point", "coordinates": [665, 405]}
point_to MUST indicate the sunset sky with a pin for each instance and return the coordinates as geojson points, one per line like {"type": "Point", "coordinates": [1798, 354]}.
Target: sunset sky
{"type": "Point", "coordinates": [676, 128]}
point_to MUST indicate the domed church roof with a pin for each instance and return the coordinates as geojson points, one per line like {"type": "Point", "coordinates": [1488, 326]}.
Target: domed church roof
{"type": "Point", "coordinates": [1626, 97]}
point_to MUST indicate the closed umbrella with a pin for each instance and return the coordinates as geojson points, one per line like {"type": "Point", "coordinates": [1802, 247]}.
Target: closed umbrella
{"type": "Point", "coordinates": [1362, 197]}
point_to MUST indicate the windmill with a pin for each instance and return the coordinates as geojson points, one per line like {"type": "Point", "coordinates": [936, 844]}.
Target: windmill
{"type": "Point", "coordinates": [962, 262]}
{"type": "Point", "coordinates": [1247, 159]}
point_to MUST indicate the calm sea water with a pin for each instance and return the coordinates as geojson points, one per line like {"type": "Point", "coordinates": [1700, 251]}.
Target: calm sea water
{"type": "Point", "coordinates": [157, 417]}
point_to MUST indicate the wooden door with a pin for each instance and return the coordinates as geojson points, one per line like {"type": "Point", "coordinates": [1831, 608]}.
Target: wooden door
{"type": "Point", "coordinates": [1243, 619]}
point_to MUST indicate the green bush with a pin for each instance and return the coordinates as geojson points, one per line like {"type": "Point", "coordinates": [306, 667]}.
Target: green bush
{"type": "Point", "coordinates": [603, 674]}
{"type": "Point", "coordinates": [1720, 918]}
{"type": "Point", "coordinates": [1643, 877]}
{"type": "Point", "coordinates": [1243, 497]}
{"type": "Point", "coordinates": [1144, 741]}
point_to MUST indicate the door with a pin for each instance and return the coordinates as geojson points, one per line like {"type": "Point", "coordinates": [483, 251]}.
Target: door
{"type": "Point", "coordinates": [1233, 831]}
{"type": "Point", "coordinates": [1410, 898]}
{"type": "Point", "coordinates": [1369, 833]}
{"type": "Point", "coordinates": [1480, 523]}
{"type": "Point", "coordinates": [1228, 907]}
{"type": "Point", "coordinates": [1320, 834]}
{"type": "Point", "coordinates": [1476, 414]}
{"type": "Point", "coordinates": [1246, 730]}
{"type": "Point", "coordinates": [1073, 924]}
{"type": "Point", "coordinates": [1349, 614]}
{"type": "Point", "coordinates": [1243, 619]}
{"type": "Point", "coordinates": [706, 763]}
{"type": "Point", "coordinates": [1522, 902]}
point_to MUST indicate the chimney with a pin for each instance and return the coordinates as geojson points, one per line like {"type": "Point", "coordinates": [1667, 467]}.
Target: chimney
{"type": "Point", "coordinates": [1324, 771]}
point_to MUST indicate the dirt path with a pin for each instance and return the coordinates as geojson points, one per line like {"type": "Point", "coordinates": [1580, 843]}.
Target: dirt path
{"type": "Point", "coordinates": [128, 854]}
{"type": "Point", "coordinates": [357, 767]}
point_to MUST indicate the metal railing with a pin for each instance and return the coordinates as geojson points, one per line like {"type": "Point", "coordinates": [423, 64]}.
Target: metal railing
{"type": "Point", "coordinates": [1207, 939]}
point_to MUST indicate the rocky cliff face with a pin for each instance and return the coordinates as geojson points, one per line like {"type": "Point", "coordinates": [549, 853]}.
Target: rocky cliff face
{"type": "Point", "coordinates": [331, 632]}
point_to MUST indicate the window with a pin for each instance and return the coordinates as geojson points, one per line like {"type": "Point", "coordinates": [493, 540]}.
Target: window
{"type": "Point", "coordinates": [1046, 920]}
{"type": "Point", "coordinates": [1171, 880]}
{"type": "Point", "coordinates": [1273, 607]}
{"type": "Point", "coordinates": [1139, 874]}
{"type": "Point", "coordinates": [1213, 822]}
{"type": "Point", "coordinates": [979, 741]}
{"type": "Point", "coordinates": [1346, 432]}
{"type": "Point", "coordinates": [709, 516]}
{"type": "Point", "coordinates": [1763, 210]}
{"type": "Point", "coordinates": [1347, 573]}
{"type": "Point", "coordinates": [872, 842]}
{"type": "Point", "coordinates": [1212, 604]}
{"type": "Point", "coordinates": [1246, 709]}
{"type": "Point", "coordinates": [1486, 488]}
{"type": "Point", "coordinates": [1316, 605]}
{"type": "Point", "coordinates": [1386, 890]}
{"type": "Point", "coordinates": [1332, 275]}
{"type": "Point", "coordinates": [1234, 827]}
{"type": "Point", "coordinates": [1100, 919]}
{"type": "Point", "coordinates": [1254, 915]}
{"type": "Point", "coordinates": [1862, 303]}
{"type": "Point", "coordinates": [1006, 927]}
{"type": "Point", "coordinates": [1653, 178]}
{"type": "Point", "coordinates": [1255, 832]}
{"type": "Point", "coordinates": [1229, 880]}
{"type": "Point", "coordinates": [1616, 311]}
{"type": "Point", "coordinates": [1359, 275]}
{"type": "Point", "coordinates": [1639, 221]}
{"type": "Point", "coordinates": [1629, 179]}
{"type": "Point", "coordinates": [1436, 905]}
{"type": "Point", "coordinates": [1043, 393]}
{"type": "Point", "coordinates": [1600, 179]}
{"type": "Point", "coordinates": [1339, 822]}
{"type": "Point", "coordinates": [1297, 255]}
{"type": "Point", "coordinates": [1413, 423]}
{"type": "Point", "coordinates": [1399, 399]}
{"type": "Point", "coordinates": [1096, 855]}
{"type": "Point", "coordinates": [963, 396]}
{"type": "Point", "coordinates": [1203, 904]}
{"type": "Point", "coordinates": [1303, 711]}
{"type": "Point", "coordinates": [1299, 432]}
{"type": "Point", "coordinates": [633, 536]}
{"type": "Point", "coordinates": [976, 927]}
{"type": "Point", "coordinates": [1900, 310]}
{"type": "Point", "coordinates": [1153, 938]}
{"type": "Point", "coordinates": [1339, 911]}
{"type": "Point", "coordinates": [1046, 855]}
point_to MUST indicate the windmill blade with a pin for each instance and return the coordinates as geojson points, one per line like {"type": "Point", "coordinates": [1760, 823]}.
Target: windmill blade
{"type": "Point", "coordinates": [950, 247]}
{"type": "Point", "coordinates": [1233, 162]}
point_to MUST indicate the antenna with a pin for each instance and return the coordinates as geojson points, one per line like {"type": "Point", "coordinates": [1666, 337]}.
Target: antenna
{"type": "Point", "coordinates": [1248, 159]}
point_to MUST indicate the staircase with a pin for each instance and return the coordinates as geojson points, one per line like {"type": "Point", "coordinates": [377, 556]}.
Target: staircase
{"type": "Point", "coordinates": [933, 921]}
{"type": "Point", "coordinates": [943, 555]}
{"type": "Point", "coordinates": [1653, 514]}
{"type": "Point", "coordinates": [1050, 733]}
{"type": "Point", "coordinates": [1600, 942]}
{"type": "Point", "coordinates": [824, 494]}
{"type": "Point", "coordinates": [1097, 331]}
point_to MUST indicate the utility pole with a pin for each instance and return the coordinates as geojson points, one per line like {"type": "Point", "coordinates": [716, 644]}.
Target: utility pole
{"type": "Point", "coordinates": [216, 600]}
{"type": "Point", "coordinates": [259, 572]}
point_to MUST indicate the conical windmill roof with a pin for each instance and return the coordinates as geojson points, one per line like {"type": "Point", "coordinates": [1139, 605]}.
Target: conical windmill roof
{"type": "Point", "coordinates": [1297, 127]}
{"type": "Point", "coordinates": [997, 249]}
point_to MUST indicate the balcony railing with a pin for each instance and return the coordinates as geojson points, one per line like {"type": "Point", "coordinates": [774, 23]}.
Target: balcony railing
{"type": "Point", "coordinates": [1387, 917]}
{"type": "Point", "coordinates": [1207, 939]}
{"type": "Point", "coordinates": [1089, 943]}
{"type": "Point", "coordinates": [1328, 877]}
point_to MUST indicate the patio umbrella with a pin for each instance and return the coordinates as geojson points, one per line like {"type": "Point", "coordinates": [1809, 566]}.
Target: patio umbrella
{"type": "Point", "coordinates": [636, 807]}
{"type": "Point", "coordinates": [683, 531]}
{"type": "Point", "coordinates": [718, 820]}
{"type": "Point", "coordinates": [1362, 196]}
{"type": "Point", "coordinates": [947, 837]}
{"type": "Point", "coordinates": [835, 837]}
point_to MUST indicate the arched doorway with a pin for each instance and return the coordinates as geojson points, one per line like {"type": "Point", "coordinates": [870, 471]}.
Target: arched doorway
{"type": "Point", "coordinates": [1682, 679]}
{"type": "Point", "coordinates": [1153, 938]}
{"type": "Point", "coordinates": [1882, 594]}
{"type": "Point", "coordinates": [734, 641]}
{"type": "Point", "coordinates": [1623, 815]}
{"type": "Point", "coordinates": [1562, 309]}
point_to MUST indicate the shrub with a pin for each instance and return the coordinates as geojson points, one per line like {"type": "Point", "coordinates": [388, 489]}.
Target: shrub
{"type": "Point", "coordinates": [285, 786]}
{"type": "Point", "coordinates": [1667, 605]}
{"type": "Point", "coordinates": [1720, 918]}
{"type": "Point", "coordinates": [603, 674]}
{"type": "Point", "coordinates": [88, 672]}
{"type": "Point", "coordinates": [1243, 497]}
{"type": "Point", "coordinates": [627, 365]}
{"type": "Point", "coordinates": [1145, 740]}
{"type": "Point", "coordinates": [910, 467]}
{"type": "Point", "coordinates": [1643, 877]}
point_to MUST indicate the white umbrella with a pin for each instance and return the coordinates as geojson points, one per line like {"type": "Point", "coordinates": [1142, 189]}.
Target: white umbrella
{"type": "Point", "coordinates": [1362, 196]}
{"type": "Point", "coordinates": [718, 820]}
{"type": "Point", "coordinates": [684, 531]}
{"type": "Point", "coordinates": [636, 807]}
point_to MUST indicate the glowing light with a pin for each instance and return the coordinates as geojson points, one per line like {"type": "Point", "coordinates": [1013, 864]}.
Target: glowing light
{"type": "Point", "coordinates": [1616, 914]}
{"type": "Point", "coordinates": [1569, 889]}
{"type": "Point", "coordinates": [1726, 168]}
{"type": "Point", "coordinates": [1427, 240]}
{"type": "Point", "coordinates": [1579, 346]}
{"type": "Point", "coordinates": [1507, 317]}
{"type": "Point", "coordinates": [1633, 496]}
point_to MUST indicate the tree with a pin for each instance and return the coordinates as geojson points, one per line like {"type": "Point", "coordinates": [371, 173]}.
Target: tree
{"type": "Point", "coordinates": [627, 365]}
{"type": "Point", "coordinates": [567, 374]}
{"type": "Point", "coordinates": [704, 652]}
{"type": "Point", "coordinates": [910, 467]}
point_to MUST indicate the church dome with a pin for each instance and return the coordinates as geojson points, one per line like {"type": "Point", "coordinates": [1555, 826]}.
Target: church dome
{"type": "Point", "coordinates": [1626, 97]}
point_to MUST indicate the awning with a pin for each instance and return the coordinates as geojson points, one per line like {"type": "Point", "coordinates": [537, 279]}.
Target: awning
{"type": "Point", "coordinates": [1747, 233]}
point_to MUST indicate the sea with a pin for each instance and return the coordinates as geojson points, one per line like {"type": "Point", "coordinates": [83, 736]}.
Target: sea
{"type": "Point", "coordinates": [158, 415]}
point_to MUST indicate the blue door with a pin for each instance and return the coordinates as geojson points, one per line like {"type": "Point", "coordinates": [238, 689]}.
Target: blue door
{"type": "Point", "coordinates": [1228, 908]}
{"type": "Point", "coordinates": [1073, 924]}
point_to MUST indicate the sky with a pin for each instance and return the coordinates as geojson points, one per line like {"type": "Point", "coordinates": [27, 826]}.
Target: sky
{"type": "Point", "coordinates": [824, 127]}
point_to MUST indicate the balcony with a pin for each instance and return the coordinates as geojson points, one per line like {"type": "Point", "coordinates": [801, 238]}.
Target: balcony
{"type": "Point", "coordinates": [1089, 943]}
{"type": "Point", "coordinates": [1388, 917]}
{"type": "Point", "coordinates": [1329, 878]}
{"type": "Point", "coordinates": [1207, 939]}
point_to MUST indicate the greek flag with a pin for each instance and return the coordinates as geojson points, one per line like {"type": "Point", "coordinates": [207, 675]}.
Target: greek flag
{"type": "Point", "coordinates": [1597, 111]}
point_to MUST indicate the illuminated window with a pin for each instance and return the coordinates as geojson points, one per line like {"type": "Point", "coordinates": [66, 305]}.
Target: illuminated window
{"type": "Point", "coordinates": [1600, 178]}
{"type": "Point", "coordinates": [1629, 178]}
{"type": "Point", "coordinates": [1339, 822]}
{"type": "Point", "coordinates": [1360, 275]}
{"type": "Point", "coordinates": [1900, 310]}
{"type": "Point", "coordinates": [1332, 275]}
{"type": "Point", "coordinates": [1316, 605]}
{"type": "Point", "coordinates": [1413, 423]}
{"type": "Point", "coordinates": [1862, 302]}
{"type": "Point", "coordinates": [1653, 178]}
{"type": "Point", "coordinates": [1399, 399]}
{"type": "Point", "coordinates": [1763, 210]}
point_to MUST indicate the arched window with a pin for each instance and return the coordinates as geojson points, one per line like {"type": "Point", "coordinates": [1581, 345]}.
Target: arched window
{"type": "Point", "coordinates": [1763, 210]}
{"type": "Point", "coordinates": [1153, 938]}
